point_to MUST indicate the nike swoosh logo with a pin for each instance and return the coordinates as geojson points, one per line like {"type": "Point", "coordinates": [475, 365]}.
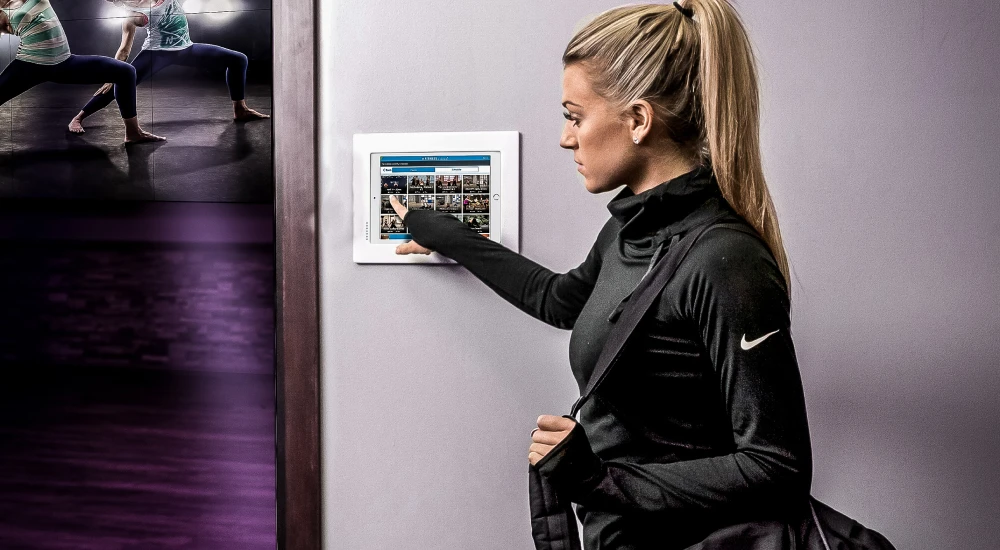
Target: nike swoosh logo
{"type": "Point", "coordinates": [752, 343]}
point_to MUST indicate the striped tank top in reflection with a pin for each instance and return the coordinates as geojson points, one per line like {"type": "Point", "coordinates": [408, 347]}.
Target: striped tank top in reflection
{"type": "Point", "coordinates": [168, 27]}
{"type": "Point", "coordinates": [43, 40]}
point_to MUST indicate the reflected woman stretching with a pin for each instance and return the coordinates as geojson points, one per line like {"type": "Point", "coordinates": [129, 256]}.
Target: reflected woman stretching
{"type": "Point", "coordinates": [168, 36]}
{"type": "Point", "coordinates": [44, 56]}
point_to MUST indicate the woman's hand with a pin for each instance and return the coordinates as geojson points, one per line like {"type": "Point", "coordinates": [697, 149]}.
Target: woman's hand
{"type": "Point", "coordinates": [410, 247]}
{"type": "Point", "coordinates": [551, 430]}
{"type": "Point", "coordinates": [5, 27]}
{"type": "Point", "coordinates": [139, 19]}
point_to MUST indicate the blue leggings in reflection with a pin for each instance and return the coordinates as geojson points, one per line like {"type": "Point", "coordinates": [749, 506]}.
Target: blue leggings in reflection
{"type": "Point", "coordinates": [206, 56]}
{"type": "Point", "coordinates": [20, 76]}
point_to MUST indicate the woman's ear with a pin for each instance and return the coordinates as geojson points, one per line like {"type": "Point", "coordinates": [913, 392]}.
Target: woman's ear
{"type": "Point", "coordinates": [640, 119]}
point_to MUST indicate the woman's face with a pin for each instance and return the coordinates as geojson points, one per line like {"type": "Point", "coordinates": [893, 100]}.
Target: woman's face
{"type": "Point", "coordinates": [597, 133]}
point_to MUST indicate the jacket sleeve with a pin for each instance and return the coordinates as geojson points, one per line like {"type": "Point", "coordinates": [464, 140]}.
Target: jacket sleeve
{"type": "Point", "coordinates": [732, 289]}
{"type": "Point", "coordinates": [555, 298]}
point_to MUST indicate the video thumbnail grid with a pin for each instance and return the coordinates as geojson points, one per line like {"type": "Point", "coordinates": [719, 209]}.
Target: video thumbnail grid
{"type": "Point", "coordinates": [465, 197]}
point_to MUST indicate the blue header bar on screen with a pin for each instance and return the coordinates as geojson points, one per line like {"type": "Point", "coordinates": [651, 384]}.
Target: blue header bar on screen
{"type": "Point", "coordinates": [450, 158]}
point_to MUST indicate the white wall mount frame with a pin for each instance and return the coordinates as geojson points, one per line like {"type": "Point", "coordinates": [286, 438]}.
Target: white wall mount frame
{"type": "Point", "coordinates": [473, 175]}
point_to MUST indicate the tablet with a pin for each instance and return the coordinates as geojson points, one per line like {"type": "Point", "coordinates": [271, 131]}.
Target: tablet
{"type": "Point", "coordinates": [434, 171]}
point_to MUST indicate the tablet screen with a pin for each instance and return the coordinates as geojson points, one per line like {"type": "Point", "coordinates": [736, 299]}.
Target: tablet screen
{"type": "Point", "coordinates": [465, 185]}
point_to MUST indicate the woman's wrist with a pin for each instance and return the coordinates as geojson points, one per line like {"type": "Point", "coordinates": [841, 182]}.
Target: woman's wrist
{"type": "Point", "coordinates": [572, 466]}
{"type": "Point", "coordinates": [431, 228]}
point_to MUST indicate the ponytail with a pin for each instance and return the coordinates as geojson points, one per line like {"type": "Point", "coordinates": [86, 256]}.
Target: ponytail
{"type": "Point", "coordinates": [731, 110]}
{"type": "Point", "coordinates": [699, 74]}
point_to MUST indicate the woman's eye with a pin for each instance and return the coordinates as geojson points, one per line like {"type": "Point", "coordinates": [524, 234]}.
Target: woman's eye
{"type": "Point", "coordinates": [567, 116]}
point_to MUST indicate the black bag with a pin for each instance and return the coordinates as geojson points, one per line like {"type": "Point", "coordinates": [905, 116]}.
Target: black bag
{"type": "Point", "coordinates": [820, 528]}
{"type": "Point", "coordinates": [553, 523]}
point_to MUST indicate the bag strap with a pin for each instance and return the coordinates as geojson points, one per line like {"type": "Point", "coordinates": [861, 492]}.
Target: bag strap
{"type": "Point", "coordinates": [642, 298]}
{"type": "Point", "coordinates": [819, 527]}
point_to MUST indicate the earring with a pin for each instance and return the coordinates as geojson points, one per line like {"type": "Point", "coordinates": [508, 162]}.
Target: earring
{"type": "Point", "coordinates": [636, 140]}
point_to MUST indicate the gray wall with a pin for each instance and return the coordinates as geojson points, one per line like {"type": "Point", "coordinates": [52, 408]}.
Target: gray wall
{"type": "Point", "coordinates": [880, 130]}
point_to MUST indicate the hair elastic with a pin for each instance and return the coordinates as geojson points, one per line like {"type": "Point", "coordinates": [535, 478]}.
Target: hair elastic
{"type": "Point", "coordinates": [688, 12]}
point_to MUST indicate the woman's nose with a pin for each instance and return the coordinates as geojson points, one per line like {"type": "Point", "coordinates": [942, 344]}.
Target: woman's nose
{"type": "Point", "coordinates": [567, 140]}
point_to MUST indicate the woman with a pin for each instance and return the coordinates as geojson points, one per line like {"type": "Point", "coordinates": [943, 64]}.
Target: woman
{"type": "Point", "coordinates": [168, 37]}
{"type": "Point", "coordinates": [44, 56]}
{"type": "Point", "coordinates": [702, 424]}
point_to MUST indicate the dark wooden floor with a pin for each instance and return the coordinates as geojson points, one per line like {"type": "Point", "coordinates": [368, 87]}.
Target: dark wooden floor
{"type": "Point", "coordinates": [136, 459]}
{"type": "Point", "coordinates": [206, 158]}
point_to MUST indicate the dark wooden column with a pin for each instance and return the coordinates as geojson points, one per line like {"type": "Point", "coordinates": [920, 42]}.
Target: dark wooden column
{"type": "Point", "coordinates": [296, 169]}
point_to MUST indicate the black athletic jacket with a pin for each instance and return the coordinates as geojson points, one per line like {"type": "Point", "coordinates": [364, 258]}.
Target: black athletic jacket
{"type": "Point", "coordinates": [702, 423]}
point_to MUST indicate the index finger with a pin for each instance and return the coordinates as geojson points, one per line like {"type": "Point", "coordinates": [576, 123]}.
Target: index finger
{"type": "Point", "coordinates": [552, 423]}
{"type": "Point", "coordinates": [397, 206]}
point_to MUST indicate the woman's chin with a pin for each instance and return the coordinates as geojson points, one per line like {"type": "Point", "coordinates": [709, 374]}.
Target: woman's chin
{"type": "Point", "coordinates": [594, 187]}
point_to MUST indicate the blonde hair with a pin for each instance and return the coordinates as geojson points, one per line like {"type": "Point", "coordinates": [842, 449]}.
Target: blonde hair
{"type": "Point", "coordinates": [700, 76]}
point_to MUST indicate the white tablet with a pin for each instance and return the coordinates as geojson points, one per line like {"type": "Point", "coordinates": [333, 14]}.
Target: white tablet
{"type": "Point", "coordinates": [470, 175]}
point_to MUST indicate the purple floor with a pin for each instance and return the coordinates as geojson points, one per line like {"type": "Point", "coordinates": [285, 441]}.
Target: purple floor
{"type": "Point", "coordinates": [191, 307]}
{"type": "Point", "coordinates": [111, 459]}
{"type": "Point", "coordinates": [137, 396]}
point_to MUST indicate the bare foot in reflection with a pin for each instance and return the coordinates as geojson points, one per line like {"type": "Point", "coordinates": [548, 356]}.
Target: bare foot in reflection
{"type": "Point", "coordinates": [143, 137]}
{"type": "Point", "coordinates": [76, 126]}
{"type": "Point", "coordinates": [244, 115]}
